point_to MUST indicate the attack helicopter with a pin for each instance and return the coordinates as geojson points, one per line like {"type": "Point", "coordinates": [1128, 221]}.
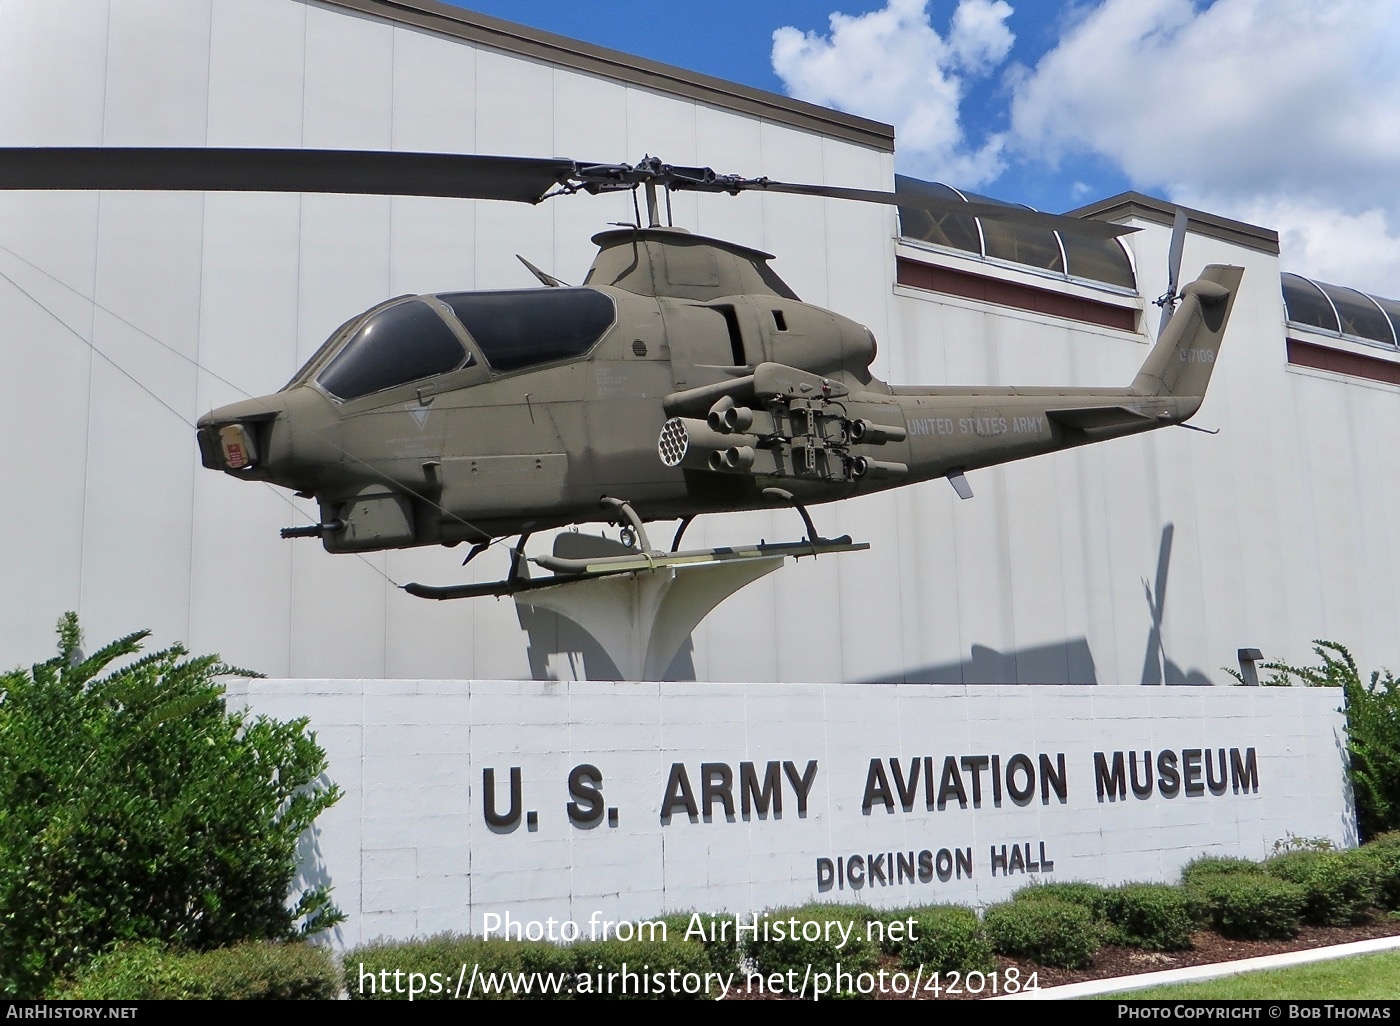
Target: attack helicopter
{"type": "Point", "coordinates": [683, 377]}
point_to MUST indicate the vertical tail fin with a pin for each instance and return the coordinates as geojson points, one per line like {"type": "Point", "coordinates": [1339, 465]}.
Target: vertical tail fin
{"type": "Point", "coordinates": [1181, 361]}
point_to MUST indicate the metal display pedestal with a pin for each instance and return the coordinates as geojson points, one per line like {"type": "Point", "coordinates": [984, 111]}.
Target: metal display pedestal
{"type": "Point", "coordinates": [641, 619]}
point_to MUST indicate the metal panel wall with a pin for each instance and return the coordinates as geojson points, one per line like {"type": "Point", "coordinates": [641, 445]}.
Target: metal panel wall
{"type": "Point", "coordinates": [1144, 560]}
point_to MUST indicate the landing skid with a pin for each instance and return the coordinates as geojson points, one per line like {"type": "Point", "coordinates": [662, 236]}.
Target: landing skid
{"type": "Point", "coordinates": [640, 604]}
{"type": "Point", "coordinates": [638, 557]}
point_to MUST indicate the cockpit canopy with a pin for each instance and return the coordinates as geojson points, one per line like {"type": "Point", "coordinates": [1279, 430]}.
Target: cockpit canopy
{"type": "Point", "coordinates": [527, 327]}
{"type": "Point", "coordinates": [423, 336]}
{"type": "Point", "coordinates": [393, 346]}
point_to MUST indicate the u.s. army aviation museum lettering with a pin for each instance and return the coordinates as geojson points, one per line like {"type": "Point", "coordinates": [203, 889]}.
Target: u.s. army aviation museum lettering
{"type": "Point", "coordinates": [721, 792]}
{"type": "Point", "coordinates": [540, 799]}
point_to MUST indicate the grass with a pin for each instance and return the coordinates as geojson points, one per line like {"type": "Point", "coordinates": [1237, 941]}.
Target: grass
{"type": "Point", "coordinates": [1366, 977]}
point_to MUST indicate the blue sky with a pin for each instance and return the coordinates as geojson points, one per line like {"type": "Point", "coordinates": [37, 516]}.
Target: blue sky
{"type": "Point", "coordinates": [1284, 113]}
{"type": "Point", "coordinates": [734, 41]}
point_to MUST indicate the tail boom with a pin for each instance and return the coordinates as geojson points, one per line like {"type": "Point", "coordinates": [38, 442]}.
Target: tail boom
{"type": "Point", "coordinates": [967, 428]}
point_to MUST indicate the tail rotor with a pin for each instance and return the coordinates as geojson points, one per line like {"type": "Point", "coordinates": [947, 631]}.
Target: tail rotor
{"type": "Point", "coordinates": [1168, 300]}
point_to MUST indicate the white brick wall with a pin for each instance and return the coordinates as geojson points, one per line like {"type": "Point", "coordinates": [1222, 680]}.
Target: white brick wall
{"type": "Point", "coordinates": [408, 850]}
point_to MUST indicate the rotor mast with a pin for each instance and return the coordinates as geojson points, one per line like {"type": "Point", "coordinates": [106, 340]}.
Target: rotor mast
{"type": "Point", "coordinates": [653, 210]}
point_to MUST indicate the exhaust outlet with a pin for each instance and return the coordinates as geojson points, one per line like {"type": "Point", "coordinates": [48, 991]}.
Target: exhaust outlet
{"type": "Point", "coordinates": [863, 466]}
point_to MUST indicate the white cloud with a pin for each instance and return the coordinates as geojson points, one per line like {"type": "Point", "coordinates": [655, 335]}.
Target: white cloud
{"type": "Point", "coordinates": [1280, 90]}
{"type": "Point", "coordinates": [1281, 112]}
{"type": "Point", "coordinates": [979, 38]}
{"type": "Point", "coordinates": [892, 65]}
{"type": "Point", "coordinates": [1321, 241]}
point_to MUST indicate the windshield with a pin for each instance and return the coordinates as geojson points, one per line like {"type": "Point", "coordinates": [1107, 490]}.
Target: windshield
{"type": "Point", "coordinates": [399, 344]}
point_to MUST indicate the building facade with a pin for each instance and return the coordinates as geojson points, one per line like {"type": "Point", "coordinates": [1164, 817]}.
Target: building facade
{"type": "Point", "coordinates": [127, 315]}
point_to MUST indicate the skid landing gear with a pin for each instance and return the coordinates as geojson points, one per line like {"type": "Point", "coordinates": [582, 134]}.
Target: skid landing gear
{"type": "Point", "coordinates": [639, 603]}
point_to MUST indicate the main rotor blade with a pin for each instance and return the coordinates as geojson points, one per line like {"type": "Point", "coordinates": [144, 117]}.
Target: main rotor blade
{"type": "Point", "coordinates": [360, 172]}
{"type": "Point", "coordinates": [463, 176]}
{"type": "Point", "coordinates": [940, 205]}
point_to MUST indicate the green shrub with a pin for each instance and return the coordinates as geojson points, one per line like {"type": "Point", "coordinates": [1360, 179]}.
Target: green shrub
{"type": "Point", "coordinates": [548, 962]}
{"type": "Point", "coordinates": [451, 966]}
{"type": "Point", "coordinates": [638, 969]}
{"type": "Point", "coordinates": [1373, 731]}
{"type": "Point", "coordinates": [947, 938]}
{"type": "Point", "coordinates": [777, 950]}
{"type": "Point", "coordinates": [1076, 892]}
{"type": "Point", "coordinates": [1291, 842]}
{"type": "Point", "coordinates": [721, 939]}
{"type": "Point", "coordinates": [1218, 865]}
{"type": "Point", "coordinates": [134, 972]}
{"type": "Point", "coordinates": [1050, 931]}
{"type": "Point", "coordinates": [434, 968]}
{"type": "Point", "coordinates": [1156, 917]}
{"type": "Point", "coordinates": [1340, 890]}
{"type": "Point", "coordinates": [147, 971]}
{"type": "Point", "coordinates": [1382, 855]}
{"type": "Point", "coordinates": [135, 807]}
{"type": "Point", "coordinates": [1251, 906]}
{"type": "Point", "coordinates": [264, 970]}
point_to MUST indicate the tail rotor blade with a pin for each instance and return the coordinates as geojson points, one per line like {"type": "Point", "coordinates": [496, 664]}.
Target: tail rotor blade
{"type": "Point", "coordinates": [1178, 245]}
{"type": "Point", "coordinates": [1179, 224]}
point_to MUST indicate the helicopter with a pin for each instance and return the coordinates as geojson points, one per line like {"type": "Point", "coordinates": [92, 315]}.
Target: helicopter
{"type": "Point", "coordinates": [683, 377]}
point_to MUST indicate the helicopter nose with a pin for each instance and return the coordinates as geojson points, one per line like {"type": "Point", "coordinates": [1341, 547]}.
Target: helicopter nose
{"type": "Point", "coordinates": [236, 438]}
{"type": "Point", "coordinates": [290, 438]}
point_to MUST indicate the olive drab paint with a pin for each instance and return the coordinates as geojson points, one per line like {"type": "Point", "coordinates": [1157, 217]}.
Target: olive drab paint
{"type": "Point", "coordinates": [685, 378]}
